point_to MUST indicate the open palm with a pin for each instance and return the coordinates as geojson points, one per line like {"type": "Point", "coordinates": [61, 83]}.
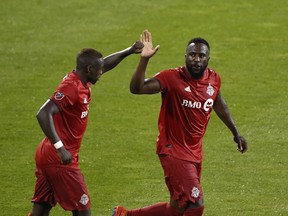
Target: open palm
{"type": "Point", "coordinates": [148, 49]}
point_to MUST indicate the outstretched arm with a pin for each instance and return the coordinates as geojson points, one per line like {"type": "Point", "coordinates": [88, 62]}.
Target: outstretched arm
{"type": "Point", "coordinates": [45, 119]}
{"type": "Point", "coordinates": [138, 83]}
{"type": "Point", "coordinates": [114, 59]}
{"type": "Point", "coordinates": [222, 110]}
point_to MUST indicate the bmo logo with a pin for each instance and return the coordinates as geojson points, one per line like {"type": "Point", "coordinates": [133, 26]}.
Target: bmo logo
{"type": "Point", "coordinates": [208, 104]}
{"type": "Point", "coordinates": [198, 105]}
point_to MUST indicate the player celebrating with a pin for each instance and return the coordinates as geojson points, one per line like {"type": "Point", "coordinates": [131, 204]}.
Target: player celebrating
{"type": "Point", "coordinates": [63, 119]}
{"type": "Point", "coordinates": [189, 94]}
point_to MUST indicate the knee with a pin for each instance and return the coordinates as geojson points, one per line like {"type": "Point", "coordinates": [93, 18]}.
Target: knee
{"type": "Point", "coordinates": [195, 209]}
{"type": "Point", "coordinates": [196, 204]}
{"type": "Point", "coordinates": [174, 205]}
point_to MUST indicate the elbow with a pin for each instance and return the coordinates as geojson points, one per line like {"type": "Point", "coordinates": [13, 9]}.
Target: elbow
{"type": "Point", "coordinates": [135, 90]}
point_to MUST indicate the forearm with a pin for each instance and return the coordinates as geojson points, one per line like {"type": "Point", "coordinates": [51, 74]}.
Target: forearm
{"type": "Point", "coordinates": [114, 59]}
{"type": "Point", "coordinates": [227, 119]}
{"type": "Point", "coordinates": [138, 78]}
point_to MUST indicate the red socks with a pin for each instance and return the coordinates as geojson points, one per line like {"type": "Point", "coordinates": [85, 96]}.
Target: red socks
{"type": "Point", "coordinates": [156, 210]}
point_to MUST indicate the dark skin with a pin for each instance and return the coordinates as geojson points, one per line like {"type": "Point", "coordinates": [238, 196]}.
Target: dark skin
{"type": "Point", "coordinates": [44, 116]}
{"type": "Point", "coordinates": [196, 58]}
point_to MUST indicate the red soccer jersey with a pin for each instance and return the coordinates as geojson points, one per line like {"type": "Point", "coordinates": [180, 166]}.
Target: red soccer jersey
{"type": "Point", "coordinates": [72, 98]}
{"type": "Point", "coordinates": [185, 112]}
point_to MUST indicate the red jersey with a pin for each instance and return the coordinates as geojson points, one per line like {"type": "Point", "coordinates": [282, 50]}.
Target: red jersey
{"type": "Point", "coordinates": [185, 112]}
{"type": "Point", "coordinates": [72, 98]}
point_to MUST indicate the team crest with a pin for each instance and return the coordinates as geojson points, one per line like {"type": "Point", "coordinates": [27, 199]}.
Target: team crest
{"type": "Point", "coordinates": [210, 90]}
{"type": "Point", "coordinates": [84, 199]}
{"type": "Point", "coordinates": [195, 192]}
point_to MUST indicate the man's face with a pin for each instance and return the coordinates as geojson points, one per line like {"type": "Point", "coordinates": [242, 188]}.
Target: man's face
{"type": "Point", "coordinates": [197, 58]}
{"type": "Point", "coordinates": [95, 71]}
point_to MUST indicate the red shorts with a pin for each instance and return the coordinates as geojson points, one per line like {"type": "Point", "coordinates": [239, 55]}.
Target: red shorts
{"type": "Point", "coordinates": [62, 185]}
{"type": "Point", "coordinates": [182, 179]}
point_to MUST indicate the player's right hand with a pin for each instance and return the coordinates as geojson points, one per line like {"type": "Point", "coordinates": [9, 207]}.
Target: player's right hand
{"type": "Point", "coordinates": [148, 49]}
{"type": "Point", "coordinates": [65, 155]}
{"type": "Point", "coordinates": [137, 47]}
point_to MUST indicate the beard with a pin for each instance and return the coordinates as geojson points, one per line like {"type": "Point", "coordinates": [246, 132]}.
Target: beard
{"type": "Point", "coordinates": [193, 73]}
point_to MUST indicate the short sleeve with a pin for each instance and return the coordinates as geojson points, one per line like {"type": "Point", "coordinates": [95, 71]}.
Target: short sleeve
{"type": "Point", "coordinates": [162, 78]}
{"type": "Point", "coordinates": [65, 95]}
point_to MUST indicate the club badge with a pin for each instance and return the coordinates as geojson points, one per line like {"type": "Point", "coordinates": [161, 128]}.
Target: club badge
{"type": "Point", "coordinates": [210, 90]}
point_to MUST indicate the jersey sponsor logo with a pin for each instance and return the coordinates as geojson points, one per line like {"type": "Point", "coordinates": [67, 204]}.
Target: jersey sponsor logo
{"type": "Point", "coordinates": [59, 96]}
{"type": "Point", "coordinates": [210, 91]}
{"type": "Point", "coordinates": [198, 105]}
{"type": "Point", "coordinates": [195, 192]}
{"type": "Point", "coordinates": [84, 199]}
{"type": "Point", "coordinates": [191, 104]}
{"type": "Point", "coordinates": [187, 89]}
{"type": "Point", "coordinates": [208, 104]}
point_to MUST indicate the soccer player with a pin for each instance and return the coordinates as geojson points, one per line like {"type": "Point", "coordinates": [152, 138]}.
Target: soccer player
{"type": "Point", "coordinates": [189, 93]}
{"type": "Point", "coordinates": [63, 119]}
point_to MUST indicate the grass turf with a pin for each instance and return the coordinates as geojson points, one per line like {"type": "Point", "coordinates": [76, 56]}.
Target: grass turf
{"type": "Point", "coordinates": [39, 41]}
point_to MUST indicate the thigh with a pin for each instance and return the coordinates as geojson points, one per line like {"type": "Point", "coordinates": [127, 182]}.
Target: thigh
{"type": "Point", "coordinates": [43, 192]}
{"type": "Point", "coordinates": [69, 188]}
{"type": "Point", "coordinates": [182, 179]}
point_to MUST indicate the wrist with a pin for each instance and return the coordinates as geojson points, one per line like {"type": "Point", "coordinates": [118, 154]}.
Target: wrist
{"type": "Point", "coordinates": [58, 144]}
{"type": "Point", "coordinates": [128, 51]}
{"type": "Point", "coordinates": [144, 59]}
{"type": "Point", "coordinates": [237, 135]}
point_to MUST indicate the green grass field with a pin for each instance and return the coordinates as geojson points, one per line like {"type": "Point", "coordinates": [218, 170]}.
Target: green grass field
{"type": "Point", "coordinates": [39, 41]}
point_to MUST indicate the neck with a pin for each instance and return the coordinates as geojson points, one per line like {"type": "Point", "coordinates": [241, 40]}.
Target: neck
{"type": "Point", "coordinates": [82, 78]}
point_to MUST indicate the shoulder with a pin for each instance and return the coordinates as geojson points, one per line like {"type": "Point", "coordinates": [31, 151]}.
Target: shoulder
{"type": "Point", "coordinates": [170, 71]}
{"type": "Point", "coordinates": [69, 86]}
{"type": "Point", "coordinates": [72, 80]}
{"type": "Point", "coordinates": [212, 74]}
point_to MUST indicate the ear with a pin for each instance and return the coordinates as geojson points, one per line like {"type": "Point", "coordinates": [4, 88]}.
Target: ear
{"type": "Point", "coordinates": [89, 69]}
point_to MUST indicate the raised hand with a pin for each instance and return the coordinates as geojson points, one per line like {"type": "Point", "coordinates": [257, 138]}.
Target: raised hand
{"type": "Point", "coordinates": [148, 49]}
{"type": "Point", "coordinates": [137, 47]}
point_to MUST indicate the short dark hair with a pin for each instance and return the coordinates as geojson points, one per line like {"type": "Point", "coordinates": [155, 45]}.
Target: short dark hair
{"type": "Point", "coordinates": [86, 57]}
{"type": "Point", "coordinates": [199, 40]}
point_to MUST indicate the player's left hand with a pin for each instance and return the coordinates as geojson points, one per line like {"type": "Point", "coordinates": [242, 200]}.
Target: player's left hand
{"type": "Point", "coordinates": [137, 47]}
{"type": "Point", "coordinates": [242, 144]}
{"type": "Point", "coordinates": [66, 157]}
